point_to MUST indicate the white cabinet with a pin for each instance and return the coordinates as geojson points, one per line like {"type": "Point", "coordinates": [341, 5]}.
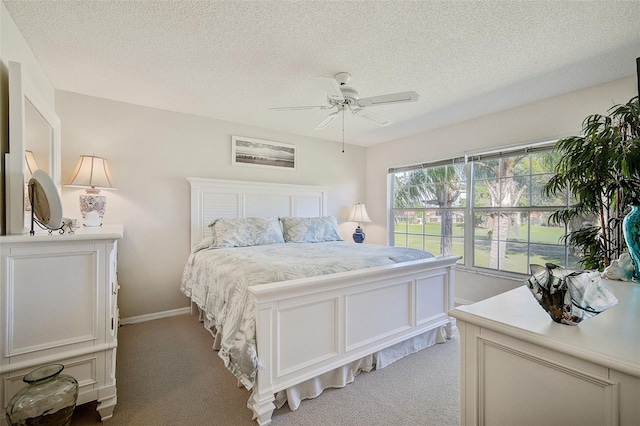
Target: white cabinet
{"type": "Point", "coordinates": [520, 367]}
{"type": "Point", "coordinates": [58, 304]}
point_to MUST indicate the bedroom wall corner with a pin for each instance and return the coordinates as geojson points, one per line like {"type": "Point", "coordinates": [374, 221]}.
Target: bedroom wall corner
{"type": "Point", "coordinates": [151, 152]}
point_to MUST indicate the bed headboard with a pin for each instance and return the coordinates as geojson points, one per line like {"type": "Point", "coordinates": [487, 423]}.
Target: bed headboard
{"type": "Point", "coordinates": [214, 198]}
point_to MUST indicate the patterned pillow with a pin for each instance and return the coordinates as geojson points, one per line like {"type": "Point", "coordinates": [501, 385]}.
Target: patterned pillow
{"type": "Point", "coordinates": [310, 229]}
{"type": "Point", "coordinates": [249, 231]}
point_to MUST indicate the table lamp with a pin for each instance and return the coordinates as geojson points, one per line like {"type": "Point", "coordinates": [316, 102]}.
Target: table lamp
{"type": "Point", "coordinates": [358, 214]}
{"type": "Point", "coordinates": [92, 173]}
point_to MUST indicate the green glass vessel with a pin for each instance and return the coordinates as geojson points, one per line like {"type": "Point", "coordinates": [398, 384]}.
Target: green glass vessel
{"type": "Point", "coordinates": [48, 400]}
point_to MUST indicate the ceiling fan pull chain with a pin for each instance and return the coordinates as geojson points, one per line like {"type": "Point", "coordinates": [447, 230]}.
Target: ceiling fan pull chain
{"type": "Point", "coordinates": [343, 130]}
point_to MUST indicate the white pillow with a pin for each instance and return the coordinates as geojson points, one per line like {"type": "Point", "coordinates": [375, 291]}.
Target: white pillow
{"type": "Point", "coordinates": [310, 229]}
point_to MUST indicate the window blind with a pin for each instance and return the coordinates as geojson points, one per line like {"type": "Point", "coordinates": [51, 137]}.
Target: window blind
{"type": "Point", "coordinates": [487, 155]}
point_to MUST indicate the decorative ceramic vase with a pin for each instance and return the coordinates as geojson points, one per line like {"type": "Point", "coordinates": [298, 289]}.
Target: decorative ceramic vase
{"type": "Point", "coordinates": [359, 235]}
{"type": "Point", "coordinates": [631, 228]}
{"type": "Point", "coordinates": [49, 399]}
{"type": "Point", "coordinates": [92, 202]}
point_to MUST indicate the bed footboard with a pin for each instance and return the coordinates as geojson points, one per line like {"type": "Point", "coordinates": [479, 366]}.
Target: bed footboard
{"type": "Point", "coordinates": [310, 326]}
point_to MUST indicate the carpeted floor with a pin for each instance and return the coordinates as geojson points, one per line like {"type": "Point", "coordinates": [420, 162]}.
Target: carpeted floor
{"type": "Point", "coordinates": [167, 374]}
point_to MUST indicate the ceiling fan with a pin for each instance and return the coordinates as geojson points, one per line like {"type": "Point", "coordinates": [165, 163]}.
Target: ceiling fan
{"type": "Point", "coordinates": [344, 97]}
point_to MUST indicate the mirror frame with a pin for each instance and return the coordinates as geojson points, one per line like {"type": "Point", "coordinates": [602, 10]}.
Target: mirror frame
{"type": "Point", "coordinates": [22, 89]}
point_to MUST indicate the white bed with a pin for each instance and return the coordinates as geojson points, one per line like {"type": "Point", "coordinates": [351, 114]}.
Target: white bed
{"type": "Point", "coordinates": [346, 316]}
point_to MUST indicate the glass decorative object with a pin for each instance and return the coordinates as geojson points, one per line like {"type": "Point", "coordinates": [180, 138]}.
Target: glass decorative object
{"type": "Point", "coordinates": [570, 297]}
{"type": "Point", "coordinates": [49, 399]}
{"type": "Point", "coordinates": [631, 228]}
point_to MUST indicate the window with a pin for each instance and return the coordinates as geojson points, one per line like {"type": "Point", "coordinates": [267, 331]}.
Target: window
{"type": "Point", "coordinates": [429, 209]}
{"type": "Point", "coordinates": [488, 208]}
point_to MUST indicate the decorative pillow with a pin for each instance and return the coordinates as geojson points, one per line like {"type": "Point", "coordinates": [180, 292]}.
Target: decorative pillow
{"type": "Point", "coordinates": [249, 231]}
{"type": "Point", "coordinates": [310, 229]}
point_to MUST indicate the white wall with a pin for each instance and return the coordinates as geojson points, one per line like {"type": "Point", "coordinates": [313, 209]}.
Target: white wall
{"type": "Point", "coordinates": [540, 121]}
{"type": "Point", "coordinates": [151, 152]}
{"type": "Point", "coordinates": [13, 47]}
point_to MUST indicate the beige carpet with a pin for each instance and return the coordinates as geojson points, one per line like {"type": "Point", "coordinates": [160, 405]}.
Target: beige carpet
{"type": "Point", "coordinates": [167, 374]}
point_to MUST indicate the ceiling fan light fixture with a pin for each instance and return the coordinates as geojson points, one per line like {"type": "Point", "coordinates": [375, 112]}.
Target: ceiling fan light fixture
{"type": "Point", "coordinates": [342, 78]}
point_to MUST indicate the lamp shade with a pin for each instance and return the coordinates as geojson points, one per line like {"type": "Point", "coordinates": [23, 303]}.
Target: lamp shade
{"type": "Point", "coordinates": [358, 214]}
{"type": "Point", "coordinates": [92, 171]}
{"type": "Point", "coordinates": [30, 161]}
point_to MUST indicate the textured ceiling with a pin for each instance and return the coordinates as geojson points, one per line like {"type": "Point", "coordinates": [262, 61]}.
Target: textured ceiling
{"type": "Point", "coordinates": [234, 60]}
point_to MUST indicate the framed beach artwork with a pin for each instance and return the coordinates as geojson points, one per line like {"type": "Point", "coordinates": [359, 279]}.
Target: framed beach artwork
{"type": "Point", "coordinates": [261, 153]}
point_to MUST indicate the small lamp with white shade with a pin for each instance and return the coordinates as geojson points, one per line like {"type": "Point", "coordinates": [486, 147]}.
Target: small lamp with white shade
{"type": "Point", "coordinates": [92, 173]}
{"type": "Point", "coordinates": [358, 214]}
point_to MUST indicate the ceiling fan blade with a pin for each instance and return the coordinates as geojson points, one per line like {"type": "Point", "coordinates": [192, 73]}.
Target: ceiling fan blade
{"type": "Point", "coordinates": [331, 87]}
{"type": "Point", "coordinates": [392, 98]}
{"type": "Point", "coordinates": [328, 119]}
{"type": "Point", "coordinates": [296, 108]}
{"type": "Point", "coordinates": [376, 118]}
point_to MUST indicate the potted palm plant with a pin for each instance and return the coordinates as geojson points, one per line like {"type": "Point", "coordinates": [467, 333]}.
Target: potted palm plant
{"type": "Point", "coordinates": [601, 168]}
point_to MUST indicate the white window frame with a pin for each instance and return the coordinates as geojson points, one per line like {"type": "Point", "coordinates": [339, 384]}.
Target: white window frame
{"type": "Point", "coordinates": [469, 209]}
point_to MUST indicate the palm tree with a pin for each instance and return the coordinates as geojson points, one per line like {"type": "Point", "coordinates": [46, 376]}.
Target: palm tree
{"type": "Point", "coordinates": [505, 190]}
{"type": "Point", "coordinates": [409, 189]}
{"type": "Point", "coordinates": [443, 188]}
{"type": "Point", "coordinates": [440, 186]}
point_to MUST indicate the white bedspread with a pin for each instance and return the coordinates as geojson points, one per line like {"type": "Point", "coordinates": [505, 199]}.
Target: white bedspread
{"type": "Point", "coordinates": [217, 280]}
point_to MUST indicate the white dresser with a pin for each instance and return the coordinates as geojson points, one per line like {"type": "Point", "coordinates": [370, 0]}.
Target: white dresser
{"type": "Point", "coordinates": [518, 367]}
{"type": "Point", "coordinates": [58, 304]}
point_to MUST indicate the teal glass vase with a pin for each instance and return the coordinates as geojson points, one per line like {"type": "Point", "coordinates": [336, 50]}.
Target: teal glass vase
{"type": "Point", "coordinates": [631, 229]}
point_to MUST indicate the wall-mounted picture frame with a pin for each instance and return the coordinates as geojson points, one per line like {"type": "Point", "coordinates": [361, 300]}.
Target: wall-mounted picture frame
{"type": "Point", "coordinates": [262, 153]}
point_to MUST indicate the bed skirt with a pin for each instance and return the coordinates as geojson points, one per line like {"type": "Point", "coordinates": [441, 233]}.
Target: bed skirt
{"type": "Point", "coordinates": [342, 376]}
{"type": "Point", "coordinates": [346, 374]}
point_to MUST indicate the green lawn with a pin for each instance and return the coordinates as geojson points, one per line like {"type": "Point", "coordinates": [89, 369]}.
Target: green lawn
{"type": "Point", "coordinates": [539, 234]}
{"type": "Point", "coordinates": [544, 240]}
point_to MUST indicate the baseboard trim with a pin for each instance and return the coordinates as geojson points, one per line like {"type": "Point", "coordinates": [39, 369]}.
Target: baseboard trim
{"type": "Point", "coordinates": [154, 316]}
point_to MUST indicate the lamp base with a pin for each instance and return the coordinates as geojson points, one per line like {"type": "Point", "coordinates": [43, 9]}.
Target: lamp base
{"type": "Point", "coordinates": [358, 235]}
{"type": "Point", "coordinates": [95, 204]}
{"type": "Point", "coordinates": [92, 219]}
